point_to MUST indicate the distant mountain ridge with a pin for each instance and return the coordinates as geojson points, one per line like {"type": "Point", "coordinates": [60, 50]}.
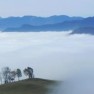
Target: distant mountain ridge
{"type": "Point", "coordinates": [15, 22]}
{"type": "Point", "coordinates": [53, 23]}
{"type": "Point", "coordinates": [63, 26]}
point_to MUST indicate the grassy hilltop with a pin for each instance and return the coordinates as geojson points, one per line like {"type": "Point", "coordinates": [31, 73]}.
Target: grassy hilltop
{"type": "Point", "coordinates": [29, 86]}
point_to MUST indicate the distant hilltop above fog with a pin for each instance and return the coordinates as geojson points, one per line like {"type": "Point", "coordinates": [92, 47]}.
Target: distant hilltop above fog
{"type": "Point", "coordinates": [84, 30]}
{"type": "Point", "coordinates": [52, 23]}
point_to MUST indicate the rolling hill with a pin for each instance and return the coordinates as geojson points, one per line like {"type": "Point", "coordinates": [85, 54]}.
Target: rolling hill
{"type": "Point", "coordinates": [29, 86]}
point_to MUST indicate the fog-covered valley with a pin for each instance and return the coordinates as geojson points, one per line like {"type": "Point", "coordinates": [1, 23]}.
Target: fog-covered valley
{"type": "Point", "coordinates": [52, 55]}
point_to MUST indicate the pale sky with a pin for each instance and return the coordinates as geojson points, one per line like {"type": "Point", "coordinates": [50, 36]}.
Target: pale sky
{"type": "Point", "coordinates": [46, 7]}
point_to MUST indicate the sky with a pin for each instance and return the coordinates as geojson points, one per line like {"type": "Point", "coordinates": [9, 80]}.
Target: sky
{"type": "Point", "coordinates": [46, 7]}
{"type": "Point", "coordinates": [52, 55]}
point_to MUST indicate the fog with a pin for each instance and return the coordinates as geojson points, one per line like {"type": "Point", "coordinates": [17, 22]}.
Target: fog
{"type": "Point", "coordinates": [52, 55]}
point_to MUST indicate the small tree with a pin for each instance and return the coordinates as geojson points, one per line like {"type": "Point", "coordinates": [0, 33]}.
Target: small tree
{"type": "Point", "coordinates": [1, 77]}
{"type": "Point", "coordinates": [26, 72]}
{"type": "Point", "coordinates": [12, 76]}
{"type": "Point", "coordinates": [6, 72]}
{"type": "Point", "coordinates": [29, 72]}
{"type": "Point", "coordinates": [18, 73]}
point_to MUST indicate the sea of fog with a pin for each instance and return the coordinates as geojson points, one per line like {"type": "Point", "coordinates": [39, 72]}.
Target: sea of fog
{"type": "Point", "coordinates": [52, 55]}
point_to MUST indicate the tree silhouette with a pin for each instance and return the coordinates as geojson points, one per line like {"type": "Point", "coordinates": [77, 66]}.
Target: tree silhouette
{"type": "Point", "coordinates": [19, 74]}
{"type": "Point", "coordinates": [6, 73]}
{"type": "Point", "coordinates": [29, 72]}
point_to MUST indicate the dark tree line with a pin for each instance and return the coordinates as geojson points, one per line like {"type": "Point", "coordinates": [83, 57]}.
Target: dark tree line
{"type": "Point", "coordinates": [7, 75]}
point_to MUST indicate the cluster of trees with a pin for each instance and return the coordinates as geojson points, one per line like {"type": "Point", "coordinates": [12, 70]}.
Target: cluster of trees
{"type": "Point", "coordinates": [7, 75]}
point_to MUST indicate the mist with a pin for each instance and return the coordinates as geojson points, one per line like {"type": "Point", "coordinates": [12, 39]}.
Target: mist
{"type": "Point", "coordinates": [52, 55]}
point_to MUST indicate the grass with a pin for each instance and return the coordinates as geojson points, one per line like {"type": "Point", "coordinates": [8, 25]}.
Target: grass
{"type": "Point", "coordinates": [29, 86]}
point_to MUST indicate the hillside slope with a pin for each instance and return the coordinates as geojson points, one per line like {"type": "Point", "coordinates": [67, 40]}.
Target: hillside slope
{"type": "Point", "coordinates": [34, 86]}
{"type": "Point", "coordinates": [84, 30]}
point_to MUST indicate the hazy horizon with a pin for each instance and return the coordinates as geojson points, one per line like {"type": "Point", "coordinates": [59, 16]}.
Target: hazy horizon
{"type": "Point", "coordinates": [44, 16]}
{"type": "Point", "coordinates": [46, 8]}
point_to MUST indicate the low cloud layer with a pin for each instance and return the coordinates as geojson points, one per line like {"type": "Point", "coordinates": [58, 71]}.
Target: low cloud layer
{"type": "Point", "coordinates": [53, 55]}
